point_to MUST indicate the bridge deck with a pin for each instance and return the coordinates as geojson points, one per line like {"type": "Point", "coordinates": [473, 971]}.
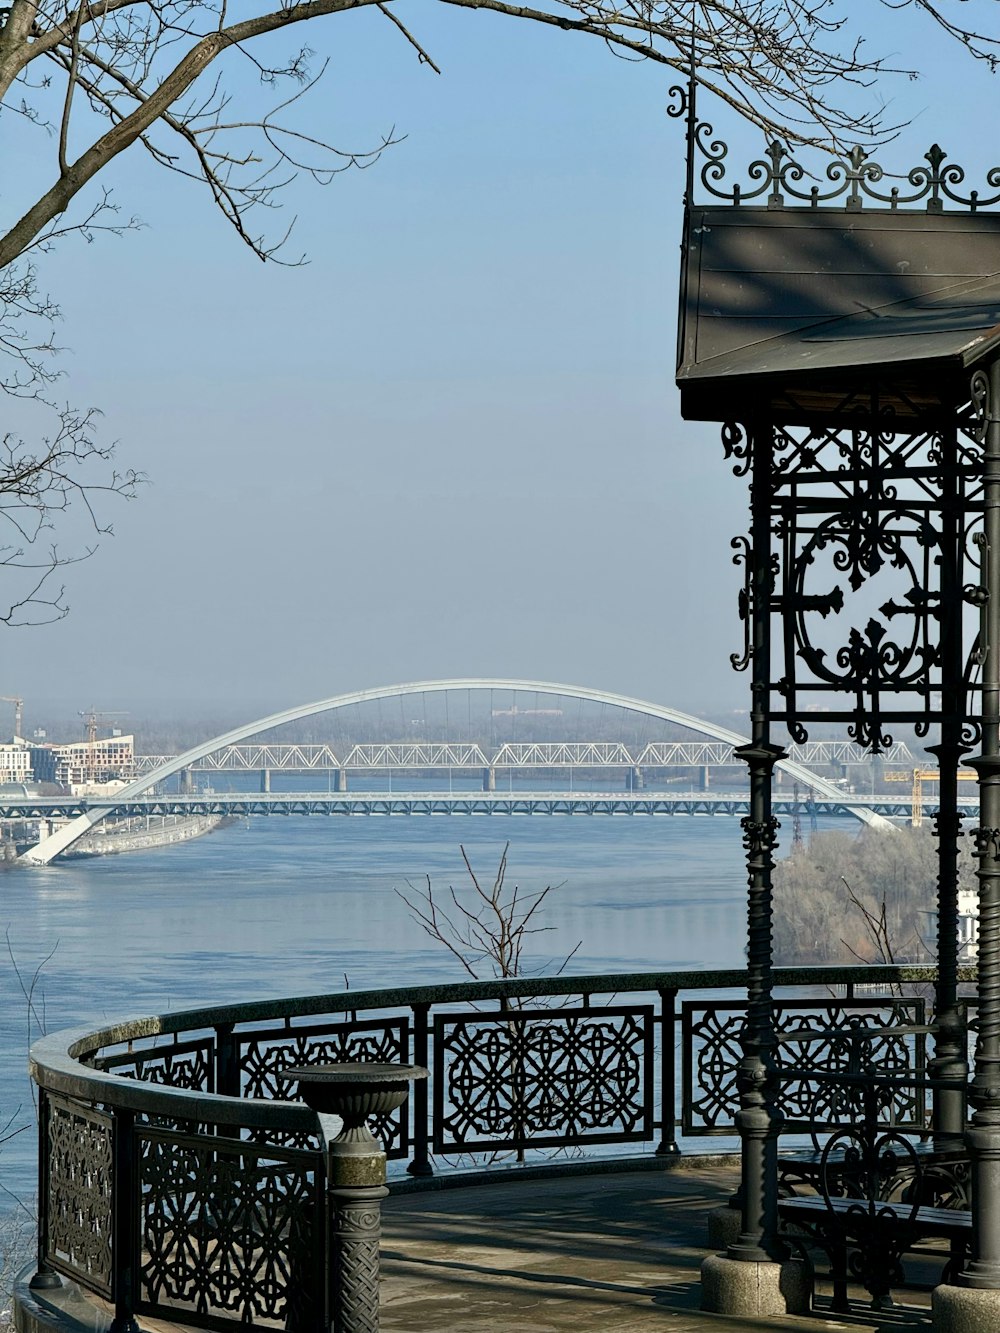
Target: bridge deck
{"type": "Point", "coordinates": [454, 803]}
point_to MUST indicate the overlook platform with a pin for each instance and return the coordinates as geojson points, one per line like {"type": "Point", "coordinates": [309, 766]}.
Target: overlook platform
{"type": "Point", "coordinates": [183, 1178]}
{"type": "Point", "coordinates": [618, 1251]}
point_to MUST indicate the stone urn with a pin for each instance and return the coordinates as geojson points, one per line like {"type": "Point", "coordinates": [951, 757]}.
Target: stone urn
{"type": "Point", "coordinates": [355, 1091]}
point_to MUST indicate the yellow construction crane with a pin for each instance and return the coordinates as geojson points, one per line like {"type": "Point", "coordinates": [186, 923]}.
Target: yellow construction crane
{"type": "Point", "coordinates": [18, 706]}
{"type": "Point", "coordinates": [918, 777]}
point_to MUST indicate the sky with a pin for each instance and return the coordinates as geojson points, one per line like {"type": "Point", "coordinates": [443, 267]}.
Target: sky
{"type": "Point", "coordinates": [450, 444]}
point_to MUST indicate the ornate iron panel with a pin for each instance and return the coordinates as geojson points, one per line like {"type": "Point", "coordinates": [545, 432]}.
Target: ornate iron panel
{"type": "Point", "coordinates": [814, 1037]}
{"type": "Point", "coordinates": [79, 1193]}
{"type": "Point", "coordinates": [862, 563]}
{"type": "Point", "coordinates": [536, 1078]}
{"type": "Point", "coordinates": [184, 1064]}
{"type": "Point", "coordinates": [264, 1053]}
{"type": "Point", "coordinates": [231, 1233]}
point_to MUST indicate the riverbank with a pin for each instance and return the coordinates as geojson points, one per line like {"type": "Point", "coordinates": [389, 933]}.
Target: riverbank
{"type": "Point", "coordinates": [143, 833]}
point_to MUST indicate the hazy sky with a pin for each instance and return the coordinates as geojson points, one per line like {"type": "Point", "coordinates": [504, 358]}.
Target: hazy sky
{"type": "Point", "coordinates": [450, 445]}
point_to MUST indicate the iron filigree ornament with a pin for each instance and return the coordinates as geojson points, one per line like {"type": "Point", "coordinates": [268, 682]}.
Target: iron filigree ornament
{"type": "Point", "coordinates": [849, 506]}
{"type": "Point", "coordinates": [736, 444]}
{"type": "Point", "coordinates": [741, 545]}
{"type": "Point", "coordinates": [854, 178]}
{"type": "Point", "coordinates": [980, 398]}
{"type": "Point", "coordinates": [987, 842]}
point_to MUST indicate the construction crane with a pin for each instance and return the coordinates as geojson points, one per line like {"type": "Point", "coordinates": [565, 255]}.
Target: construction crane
{"type": "Point", "coordinates": [18, 707]}
{"type": "Point", "coordinates": [918, 777]}
{"type": "Point", "coordinates": [93, 716]}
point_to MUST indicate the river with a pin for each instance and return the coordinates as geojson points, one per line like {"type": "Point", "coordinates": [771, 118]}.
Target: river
{"type": "Point", "coordinates": [281, 906]}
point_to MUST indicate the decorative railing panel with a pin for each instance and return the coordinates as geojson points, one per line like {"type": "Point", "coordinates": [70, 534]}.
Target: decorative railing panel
{"type": "Point", "coordinates": [230, 1232]}
{"type": "Point", "coordinates": [265, 1052]}
{"type": "Point", "coordinates": [182, 1064]}
{"type": "Point", "coordinates": [543, 1077]}
{"type": "Point", "coordinates": [78, 1192]}
{"type": "Point", "coordinates": [814, 1037]}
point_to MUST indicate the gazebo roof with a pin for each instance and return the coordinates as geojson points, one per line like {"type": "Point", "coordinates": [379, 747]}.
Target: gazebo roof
{"type": "Point", "coordinates": [795, 309]}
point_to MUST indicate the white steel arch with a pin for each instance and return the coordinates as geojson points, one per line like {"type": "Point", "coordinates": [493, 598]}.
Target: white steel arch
{"type": "Point", "coordinates": [48, 848]}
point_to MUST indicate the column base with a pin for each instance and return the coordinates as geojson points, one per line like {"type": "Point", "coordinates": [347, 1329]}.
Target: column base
{"type": "Point", "coordinates": [749, 1290]}
{"type": "Point", "coordinates": [723, 1227]}
{"type": "Point", "coordinates": [965, 1309]}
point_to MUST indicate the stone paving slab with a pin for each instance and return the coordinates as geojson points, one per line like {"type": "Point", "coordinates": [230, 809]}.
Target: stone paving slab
{"type": "Point", "coordinates": [612, 1252]}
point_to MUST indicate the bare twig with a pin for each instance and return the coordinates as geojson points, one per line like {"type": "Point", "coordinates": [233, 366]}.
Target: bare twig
{"type": "Point", "coordinates": [484, 933]}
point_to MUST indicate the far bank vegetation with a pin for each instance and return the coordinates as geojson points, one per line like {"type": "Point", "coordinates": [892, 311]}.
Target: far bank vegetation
{"type": "Point", "coordinates": [845, 897]}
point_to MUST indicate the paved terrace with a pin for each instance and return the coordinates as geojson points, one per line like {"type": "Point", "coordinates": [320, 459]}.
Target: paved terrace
{"type": "Point", "coordinates": [619, 1252]}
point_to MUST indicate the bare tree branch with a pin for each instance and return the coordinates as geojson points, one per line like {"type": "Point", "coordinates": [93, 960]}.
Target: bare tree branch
{"type": "Point", "coordinates": [488, 932]}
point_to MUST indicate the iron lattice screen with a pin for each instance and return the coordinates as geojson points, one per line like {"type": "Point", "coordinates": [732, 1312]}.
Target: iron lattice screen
{"type": "Point", "coordinates": [813, 1038]}
{"type": "Point", "coordinates": [539, 1078]}
{"type": "Point", "coordinates": [78, 1193]}
{"type": "Point", "coordinates": [230, 1232]}
{"type": "Point", "coordinates": [264, 1053]}
{"type": "Point", "coordinates": [183, 1064]}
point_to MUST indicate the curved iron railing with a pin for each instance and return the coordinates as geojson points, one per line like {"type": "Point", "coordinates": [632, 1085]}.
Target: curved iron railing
{"type": "Point", "coordinates": [179, 1178]}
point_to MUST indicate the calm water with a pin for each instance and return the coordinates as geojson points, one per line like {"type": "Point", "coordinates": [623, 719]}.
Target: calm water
{"type": "Point", "coordinates": [283, 906]}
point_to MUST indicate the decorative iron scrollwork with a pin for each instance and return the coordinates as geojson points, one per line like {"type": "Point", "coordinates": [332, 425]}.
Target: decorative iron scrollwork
{"type": "Point", "coordinates": [980, 399]}
{"type": "Point", "coordinates": [853, 178]}
{"type": "Point", "coordinates": [677, 101]}
{"type": "Point", "coordinates": [736, 444]}
{"type": "Point", "coordinates": [987, 842]}
{"type": "Point", "coordinates": [741, 545]}
{"type": "Point", "coordinates": [861, 564]}
{"type": "Point", "coordinates": [759, 836]}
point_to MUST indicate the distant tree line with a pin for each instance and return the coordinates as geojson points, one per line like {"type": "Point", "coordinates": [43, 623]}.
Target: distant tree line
{"type": "Point", "coordinates": [843, 897]}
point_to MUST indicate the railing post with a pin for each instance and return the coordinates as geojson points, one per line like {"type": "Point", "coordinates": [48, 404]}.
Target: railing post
{"type": "Point", "coordinates": [668, 1085]}
{"type": "Point", "coordinates": [124, 1222]}
{"type": "Point", "coordinates": [420, 1163]}
{"type": "Point", "coordinates": [45, 1278]}
{"type": "Point", "coordinates": [227, 1063]}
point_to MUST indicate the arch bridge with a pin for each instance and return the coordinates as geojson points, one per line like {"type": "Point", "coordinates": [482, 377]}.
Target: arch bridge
{"type": "Point", "coordinates": [62, 838]}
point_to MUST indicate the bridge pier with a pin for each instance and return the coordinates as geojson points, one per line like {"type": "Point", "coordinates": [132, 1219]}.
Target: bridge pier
{"type": "Point", "coordinates": [185, 783]}
{"type": "Point", "coordinates": [704, 777]}
{"type": "Point", "coordinates": [489, 779]}
{"type": "Point", "coordinates": [634, 779]}
{"type": "Point", "coordinates": [340, 780]}
{"type": "Point", "coordinates": [265, 780]}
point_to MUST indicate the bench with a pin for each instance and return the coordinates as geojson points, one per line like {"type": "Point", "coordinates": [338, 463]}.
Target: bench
{"type": "Point", "coordinates": [877, 1193]}
{"type": "Point", "coordinates": [866, 1239]}
{"type": "Point", "coordinates": [943, 1175]}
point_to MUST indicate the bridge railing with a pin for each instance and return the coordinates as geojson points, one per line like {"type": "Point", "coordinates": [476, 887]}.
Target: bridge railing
{"type": "Point", "coordinates": [179, 1178]}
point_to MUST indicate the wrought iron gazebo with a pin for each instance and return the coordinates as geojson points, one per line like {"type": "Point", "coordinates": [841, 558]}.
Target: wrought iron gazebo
{"type": "Point", "coordinates": [846, 331]}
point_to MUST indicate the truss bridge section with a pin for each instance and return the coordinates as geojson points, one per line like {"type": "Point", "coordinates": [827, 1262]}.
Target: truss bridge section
{"type": "Point", "coordinates": [409, 756]}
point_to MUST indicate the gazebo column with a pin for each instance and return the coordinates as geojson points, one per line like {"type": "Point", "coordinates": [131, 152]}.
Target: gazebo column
{"type": "Point", "coordinates": [755, 1277]}
{"type": "Point", "coordinates": [975, 1304]}
{"type": "Point", "coordinates": [950, 1062]}
{"type": "Point", "coordinates": [950, 1043]}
